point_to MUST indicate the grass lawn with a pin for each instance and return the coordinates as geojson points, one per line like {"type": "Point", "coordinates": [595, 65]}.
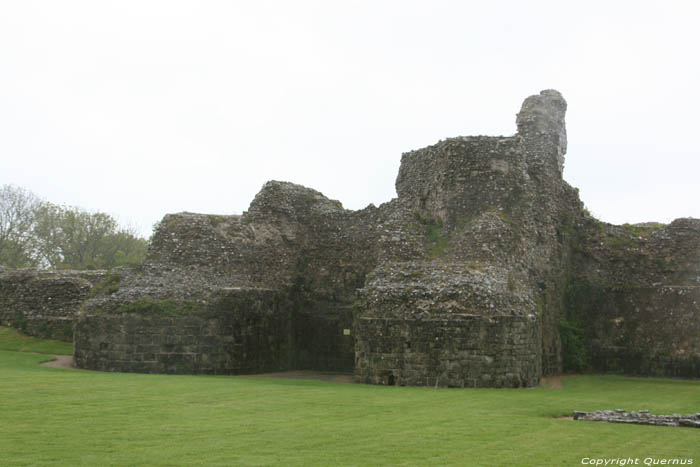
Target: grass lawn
{"type": "Point", "coordinates": [64, 417]}
{"type": "Point", "coordinates": [11, 339]}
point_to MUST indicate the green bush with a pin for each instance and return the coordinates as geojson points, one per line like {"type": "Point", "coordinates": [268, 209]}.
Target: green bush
{"type": "Point", "coordinates": [573, 349]}
{"type": "Point", "coordinates": [107, 286]}
{"type": "Point", "coordinates": [579, 296]}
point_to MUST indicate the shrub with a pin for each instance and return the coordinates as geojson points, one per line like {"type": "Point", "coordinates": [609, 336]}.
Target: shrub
{"type": "Point", "coordinates": [573, 350]}
{"type": "Point", "coordinates": [106, 286]}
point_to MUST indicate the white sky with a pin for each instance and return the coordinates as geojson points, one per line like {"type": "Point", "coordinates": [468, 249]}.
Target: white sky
{"type": "Point", "coordinates": [141, 108]}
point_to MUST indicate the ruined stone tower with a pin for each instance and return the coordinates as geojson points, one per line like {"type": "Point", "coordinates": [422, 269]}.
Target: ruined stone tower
{"type": "Point", "coordinates": [485, 271]}
{"type": "Point", "coordinates": [479, 305]}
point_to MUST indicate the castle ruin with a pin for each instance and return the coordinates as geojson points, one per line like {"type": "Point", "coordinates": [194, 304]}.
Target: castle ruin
{"type": "Point", "coordinates": [485, 271]}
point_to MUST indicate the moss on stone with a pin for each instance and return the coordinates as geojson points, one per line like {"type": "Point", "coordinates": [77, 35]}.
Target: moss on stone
{"type": "Point", "coordinates": [147, 305]}
{"type": "Point", "coordinates": [107, 286]}
{"type": "Point", "coordinates": [438, 240]}
{"type": "Point", "coordinates": [642, 230]}
{"type": "Point", "coordinates": [215, 220]}
{"type": "Point", "coordinates": [437, 237]}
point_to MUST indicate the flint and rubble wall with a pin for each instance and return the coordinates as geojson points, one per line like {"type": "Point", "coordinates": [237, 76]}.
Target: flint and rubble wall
{"type": "Point", "coordinates": [649, 331]}
{"type": "Point", "coordinates": [44, 303]}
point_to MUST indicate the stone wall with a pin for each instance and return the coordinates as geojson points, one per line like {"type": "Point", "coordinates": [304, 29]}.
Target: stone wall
{"type": "Point", "coordinates": [240, 330]}
{"type": "Point", "coordinates": [650, 331]}
{"type": "Point", "coordinates": [245, 331]}
{"type": "Point", "coordinates": [468, 351]}
{"type": "Point", "coordinates": [460, 178]}
{"type": "Point", "coordinates": [636, 295]}
{"type": "Point", "coordinates": [44, 303]}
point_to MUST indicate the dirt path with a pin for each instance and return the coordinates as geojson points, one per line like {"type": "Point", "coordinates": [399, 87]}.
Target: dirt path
{"type": "Point", "coordinates": [66, 362]}
{"type": "Point", "coordinates": [62, 361]}
{"type": "Point", "coordinates": [552, 382]}
{"type": "Point", "coordinates": [307, 374]}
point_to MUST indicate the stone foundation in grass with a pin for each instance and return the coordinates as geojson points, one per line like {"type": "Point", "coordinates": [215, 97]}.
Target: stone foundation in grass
{"type": "Point", "coordinates": [640, 417]}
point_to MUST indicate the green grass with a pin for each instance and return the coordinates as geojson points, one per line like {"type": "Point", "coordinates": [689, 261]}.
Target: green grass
{"type": "Point", "coordinates": [11, 339]}
{"type": "Point", "coordinates": [63, 417]}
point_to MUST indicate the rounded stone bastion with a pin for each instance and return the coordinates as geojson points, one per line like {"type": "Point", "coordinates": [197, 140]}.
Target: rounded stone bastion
{"type": "Point", "coordinates": [243, 330]}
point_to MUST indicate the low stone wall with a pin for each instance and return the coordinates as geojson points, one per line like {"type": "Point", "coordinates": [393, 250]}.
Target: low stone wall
{"type": "Point", "coordinates": [44, 303]}
{"type": "Point", "coordinates": [641, 417]}
{"type": "Point", "coordinates": [471, 351]}
{"type": "Point", "coordinates": [246, 331]}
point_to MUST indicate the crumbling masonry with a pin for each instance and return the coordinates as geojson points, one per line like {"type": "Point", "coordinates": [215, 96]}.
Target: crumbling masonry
{"type": "Point", "coordinates": [485, 271]}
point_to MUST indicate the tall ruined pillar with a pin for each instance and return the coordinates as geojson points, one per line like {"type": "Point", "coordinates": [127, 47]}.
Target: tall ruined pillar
{"type": "Point", "coordinates": [541, 126]}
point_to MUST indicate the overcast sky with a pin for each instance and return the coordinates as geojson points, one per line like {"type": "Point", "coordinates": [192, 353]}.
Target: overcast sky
{"type": "Point", "coordinates": [142, 108]}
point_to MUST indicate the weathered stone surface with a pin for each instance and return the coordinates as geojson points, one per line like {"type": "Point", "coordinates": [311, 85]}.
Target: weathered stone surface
{"type": "Point", "coordinates": [462, 351]}
{"type": "Point", "coordinates": [470, 277]}
{"type": "Point", "coordinates": [44, 303]}
{"type": "Point", "coordinates": [244, 332]}
{"type": "Point", "coordinates": [491, 209]}
{"type": "Point", "coordinates": [641, 417]}
{"type": "Point", "coordinates": [636, 293]}
{"type": "Point", "coordinates": [542, 119]}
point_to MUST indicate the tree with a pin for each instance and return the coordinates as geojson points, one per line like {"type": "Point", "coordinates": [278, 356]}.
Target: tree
{"type": "Point", "coordinates": [70, 237]}
{"type": "Point", "coordinates": [17, 219]}
{"type": "Point", "coordinates": [128, 248]}
{"type": "Point", "coordinates": [38, 233]}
